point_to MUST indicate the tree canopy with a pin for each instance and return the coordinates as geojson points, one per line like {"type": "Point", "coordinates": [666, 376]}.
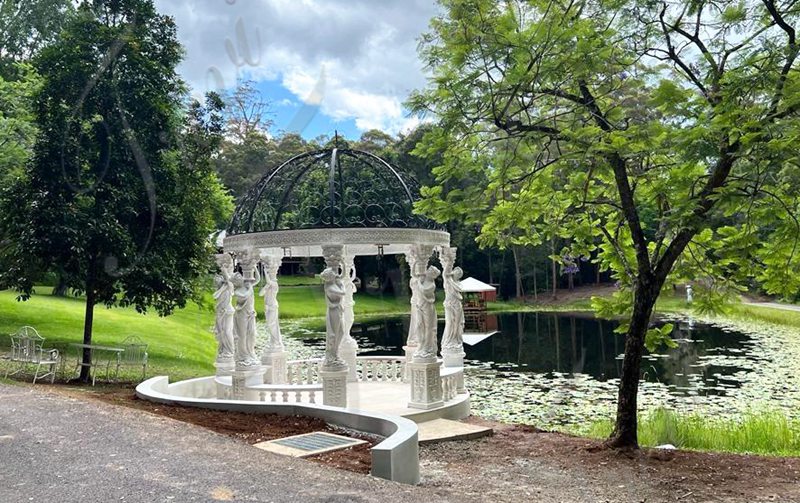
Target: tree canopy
{"type": "Point", "coordinates": [655, 135]}
{"type": "Point", "coordinates": [120, 194]}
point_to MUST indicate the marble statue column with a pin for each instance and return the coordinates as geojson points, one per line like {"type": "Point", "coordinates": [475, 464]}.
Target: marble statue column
{"type": "Point", "coordinates": [453, 338]}
{"type": "Point", "coordinates": [349, 347]}
{"type": "Point", "coordinates": [425, 369]}
{"type": "Point", "coordinates": [248, 369]}
{"type": "Point", "coordinates": [333, 369]}
{"type": "Point", "coordinates": [273, 356]}
{"type": "Point", "coordinates": [223, 322]}
{"type": "Point", "coordinates": [417, 258]}
{"type": "Point", "coordinates": [426, 317]}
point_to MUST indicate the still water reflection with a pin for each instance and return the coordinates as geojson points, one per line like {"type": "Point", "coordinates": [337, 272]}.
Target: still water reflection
{"type": "Point", "coordinates": [561, 368]}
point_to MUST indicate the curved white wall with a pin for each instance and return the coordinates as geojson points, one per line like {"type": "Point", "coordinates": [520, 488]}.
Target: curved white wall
{"type": "Point", "coordinates": [396, 458]}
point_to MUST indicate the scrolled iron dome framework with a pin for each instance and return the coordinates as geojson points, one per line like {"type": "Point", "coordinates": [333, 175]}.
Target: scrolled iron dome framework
{"type": "Point", "coordinates": [330, 188]}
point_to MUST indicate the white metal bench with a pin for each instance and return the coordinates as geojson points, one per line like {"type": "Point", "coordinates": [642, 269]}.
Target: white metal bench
{"type": "Point", "coordinates": [27, 350]}
{"type": "Point", "coordinates": [134, 354]}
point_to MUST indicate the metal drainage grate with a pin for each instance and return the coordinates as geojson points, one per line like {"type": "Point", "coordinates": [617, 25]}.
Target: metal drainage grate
{"type": "Point", "coordinates": [317, 441]}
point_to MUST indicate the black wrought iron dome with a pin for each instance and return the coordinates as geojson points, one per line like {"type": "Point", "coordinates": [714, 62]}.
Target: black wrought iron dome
{"type": "Point", "coordinates": [330, 188]}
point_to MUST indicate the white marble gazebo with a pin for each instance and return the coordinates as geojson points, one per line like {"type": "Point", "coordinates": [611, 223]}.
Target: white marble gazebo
{"type": "Point", "coordinates": [338, 204]}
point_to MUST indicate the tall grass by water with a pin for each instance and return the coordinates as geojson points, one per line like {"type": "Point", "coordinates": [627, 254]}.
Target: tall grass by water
{"type": "Point", "coordinates": [760, 432]}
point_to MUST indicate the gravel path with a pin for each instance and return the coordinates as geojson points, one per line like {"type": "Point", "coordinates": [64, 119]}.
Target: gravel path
{"type": "Point", "coordinates": [55, 448]}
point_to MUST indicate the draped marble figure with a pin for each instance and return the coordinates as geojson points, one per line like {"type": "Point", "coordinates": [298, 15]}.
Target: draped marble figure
{"type": "Point", "coordinates": [334, 322]}
{"type": "Point", "coordinates": [223, 327]}
{"type": "Point", "coordinates": [245, 319]}
{"type": "Point", "coordinates": [270, 293]}
{"type": "Point", "coordinates": [426, 315]}
{"type": "Point", "coordinates": [453, 338]}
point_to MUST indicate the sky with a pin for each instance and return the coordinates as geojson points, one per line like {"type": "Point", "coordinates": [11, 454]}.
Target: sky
{"type": "Point", "coordinates": [325, 65]}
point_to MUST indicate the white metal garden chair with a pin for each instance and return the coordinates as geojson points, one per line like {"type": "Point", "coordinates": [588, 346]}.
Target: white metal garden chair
{"type": "Point", "coordinates": [27, 350]}
{"type": "Point", "coordinates": [134, 355]}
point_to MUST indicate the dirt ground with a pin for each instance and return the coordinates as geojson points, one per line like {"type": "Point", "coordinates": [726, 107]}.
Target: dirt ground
{"type": "Point", "coordinates": [522, 463]}
{"type": "Point", "coordinates": [564, 296]}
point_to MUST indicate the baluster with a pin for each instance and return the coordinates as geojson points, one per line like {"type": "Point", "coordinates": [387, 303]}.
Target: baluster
{"type": "Point", "coordinates": [311, 397]}
{"type": "Point", "coordinates": [285, 396]}
{"type": "Point", "coordinates": [262, 396]}
{"type": "Point", "coordinates": [272, 396]}
{"type": "Point", "coordinates": [297, 396]}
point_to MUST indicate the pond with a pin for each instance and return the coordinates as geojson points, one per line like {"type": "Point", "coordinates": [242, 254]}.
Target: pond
{"type": "Point", "coordinates": [559, 370]}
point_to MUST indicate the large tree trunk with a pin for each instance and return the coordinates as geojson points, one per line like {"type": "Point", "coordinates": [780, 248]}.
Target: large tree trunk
{"type": "Point", "coordinates": [554, 272]}
{"type": "Point", "coordinates": [624, 434]}
{"type": "Point", "coordinates": [61, 288]}
{"type": "Point", "coordinates": [88, 321]}
{"type": "Point", "coordinates": [517, 274]}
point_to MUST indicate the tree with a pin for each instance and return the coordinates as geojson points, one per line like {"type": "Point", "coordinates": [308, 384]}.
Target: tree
{"type": "Point", "coordinates": [246, 113]}
{"type": "Point", "coordinates": [669, 124]}
{"type": "Point", "coordinates": [17, 135]}
{"type": "Point", "coordinates": [120, 193]}
{"type": "Point", "coordinates": [27, 26]}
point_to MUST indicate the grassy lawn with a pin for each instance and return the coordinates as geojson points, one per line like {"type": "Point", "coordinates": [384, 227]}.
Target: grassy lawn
{"type": "Point", "coordinates": [765, 314]}
{"type": "Point", "coordinates": [296, 280]}
{"type": "Point", "coordinates": [309, 301]}
{"type": "Point", "coordinates": [180, 345]}
{"type": "Point", "coordinates": [763, 432]}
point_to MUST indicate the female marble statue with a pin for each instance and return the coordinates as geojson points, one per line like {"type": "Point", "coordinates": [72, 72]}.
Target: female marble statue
{"type": "Point", "coordinates": [452, 341]}
{"type": "Point", "coordinates": [426, 315]}
{"type": "Point", "coordinates": [334, 322]}
{"type": "Point", "coordinates": [270, 293]}
{"type": "Point", "coordinates": [245, 319]}
{"type": "Point", "coordinates": [223, 328]}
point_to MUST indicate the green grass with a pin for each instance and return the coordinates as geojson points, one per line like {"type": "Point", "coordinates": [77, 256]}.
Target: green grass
{"type": "Point", "coordinates": [180, 345]}
{"type": "Point", "coordinates": [764, 314]}
{"type": "Point", "coordinates": [309, 301]}
{"type": "Point", "coordinates": [761, 432]}
{"type": "Point", "coordinates": [296, 280]}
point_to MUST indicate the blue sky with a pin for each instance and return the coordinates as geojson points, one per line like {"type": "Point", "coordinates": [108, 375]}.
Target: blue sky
{"type": "Point", "coordinates": [287, 109]}
{"type": "Point", "coordinates": [348, 65]}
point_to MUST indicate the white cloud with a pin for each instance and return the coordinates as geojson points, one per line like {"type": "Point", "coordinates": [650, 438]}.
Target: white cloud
{"type": "Point", "coordinates": [367, 49]}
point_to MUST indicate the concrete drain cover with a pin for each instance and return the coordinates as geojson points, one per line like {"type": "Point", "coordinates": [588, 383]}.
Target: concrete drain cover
{"type": "Point", "coordinates": [309, 444]}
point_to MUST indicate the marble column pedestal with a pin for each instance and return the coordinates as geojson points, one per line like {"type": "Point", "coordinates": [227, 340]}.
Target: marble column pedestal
{"type": "Point", "coordinates": [334, 387]}
{"type": "Point", "coordinates": [426, 385]}
{"type": "Point", "coordinates": [243, 378]}
{"type": "Point", "coordinates": [275, 363]}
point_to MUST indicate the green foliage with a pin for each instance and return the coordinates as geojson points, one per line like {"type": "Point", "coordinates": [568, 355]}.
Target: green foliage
{"type": "Point", "coordinates": [759, 432]}
{"type": "Point", "coordinates": [643, 133]}
{"type": "Point", "coordinates": [119, 194]}
{"type": "Point", "coordinates": [656, 337]}
{"type": "Point", "coordinates": [520, 138]}
{"type": "Point", "coordinates": [27, 26]}
{"type": "Point", "coordinates": [17, 128]}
